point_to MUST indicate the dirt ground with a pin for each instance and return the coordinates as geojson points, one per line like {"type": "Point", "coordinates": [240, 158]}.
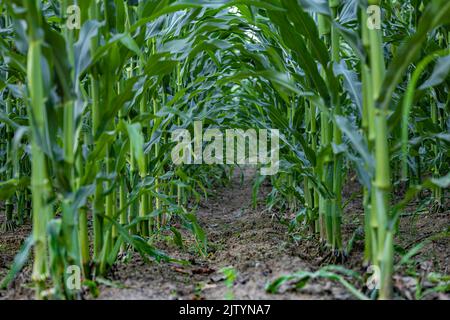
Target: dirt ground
{"type": "Point", "coordinates": [250, 241]}
{"type": "Point", "coordinates": [259, 249]}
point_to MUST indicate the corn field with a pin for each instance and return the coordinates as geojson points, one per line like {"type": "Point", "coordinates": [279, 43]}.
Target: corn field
{"type": "Point", "coordinates": [92, 91]}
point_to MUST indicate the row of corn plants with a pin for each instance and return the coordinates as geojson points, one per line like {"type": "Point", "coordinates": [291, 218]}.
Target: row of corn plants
{"type": "Point", "coordinates": [91, 92]}
{"type": "Point", "coordinates": [364, 88]}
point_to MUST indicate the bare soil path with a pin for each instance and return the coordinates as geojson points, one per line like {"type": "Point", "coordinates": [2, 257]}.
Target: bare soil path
{"type": "Point", "coordinates": [247, 239]}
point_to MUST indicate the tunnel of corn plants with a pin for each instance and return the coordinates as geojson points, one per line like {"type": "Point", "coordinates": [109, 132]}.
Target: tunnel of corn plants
{"type": "Point", "coordinates": [224, 149]}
